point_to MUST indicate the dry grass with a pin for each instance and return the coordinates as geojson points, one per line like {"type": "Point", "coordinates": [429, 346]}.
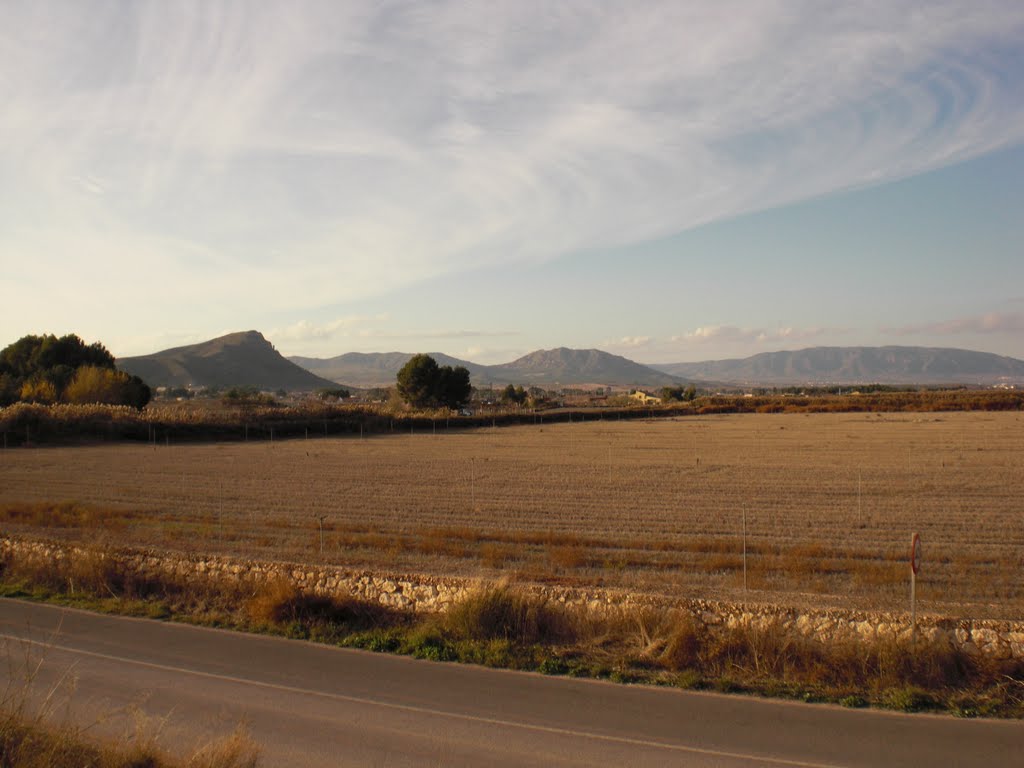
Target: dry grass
{"type": "Point", "coordinates": [501, 625]}
{"type": "Point", "coordinates": [37, 732]}
{"type": "Point", "coordinates": [280, 602]}
{"type": "Point", "coordinates": [31, 743]}
{"type": "Point", "coordinates": [830, 502]}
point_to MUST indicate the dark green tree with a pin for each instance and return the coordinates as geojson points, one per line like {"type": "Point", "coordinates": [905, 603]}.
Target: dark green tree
{"type": "Point", "coordinates": [135, 392]}
{"type": "Point", "coordinates": [514, 395]}
{"type": "Point", "coordinates": [452, 389]}
{"type": "Point", "coordinates": [47, 360]}
{"type": "Point", "coordinates": [417, 381]}
{"type": "Point", "coordinates": [424, 384]}
{"type": "Point", "coordinates": [337, 393]}
{"type": "Point", "coordinates": [678, 393]}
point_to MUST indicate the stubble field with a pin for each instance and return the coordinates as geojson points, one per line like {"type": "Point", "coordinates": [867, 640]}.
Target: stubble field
{"type": "Point", "coordinates": [829, 502]}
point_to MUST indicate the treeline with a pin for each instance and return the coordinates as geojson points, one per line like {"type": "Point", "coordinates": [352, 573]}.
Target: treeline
{"type": "Point", "coordinates": [48, 369]}
{"type": "Point", "coordinates": [32, 423]}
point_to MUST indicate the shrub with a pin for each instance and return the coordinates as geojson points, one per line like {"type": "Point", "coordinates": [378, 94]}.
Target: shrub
{"type": "Point", "coordinates": [281, 602]}
{"type": "Point", "coordinates": [683, 647]}
{"type": "Point", "coordinates": [909, 698]}
{"type": "Point", "coordinates": [500, 613]}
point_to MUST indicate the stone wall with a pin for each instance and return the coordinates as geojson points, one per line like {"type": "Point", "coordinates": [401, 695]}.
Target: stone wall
{"type": "Point", "coordinates": [426, 594]}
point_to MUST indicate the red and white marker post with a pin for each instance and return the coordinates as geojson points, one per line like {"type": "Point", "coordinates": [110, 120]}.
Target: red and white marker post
{"type": "Point", "coordinates": [915, 566]}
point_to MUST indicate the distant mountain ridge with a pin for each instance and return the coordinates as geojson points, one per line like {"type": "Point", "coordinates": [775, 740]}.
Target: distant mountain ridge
{"type": "Point", "coordinates": [579, 366]}
{"type": "Point", "coordinates": [376, 369]}
{"type": "Point", "coordinates": [544, 368]}
{"type": "Point", "coordinates": [247, 358]}
{"type": "Point", "coordinates": [856, 365]}
{"type": "Point", "coordinates": [238, 359]}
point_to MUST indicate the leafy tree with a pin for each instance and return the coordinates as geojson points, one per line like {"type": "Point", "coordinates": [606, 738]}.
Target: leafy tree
{"type": "Point", "coordinates": [423, 383]}
{"type": "Point", "coordinates": [452, 388]}
{"type": "Point", "coordinates": [104, 385]}
{"type": "Point", "coordinates": [516, 395]}
{"type": "Point", "coordinates": [417, 381]}
{"type": "Point", "coordinates": [43, 368]}
{"type": "Point", "coordinates": [38, 390]}
{"type": "Point", "coordinates": [339, 393]}
{"type": "Point", "coordinates": [246, 397]}
{"type": "Point", "coordinates": [10, 389]}
{"type": "Point", "coordinates": [56, 359]}
{"type": "Point", "coordinates": [93, 385]}
{"type": "Point", "coordinates": [135, 392]}
{"type": "Point", "coordinates": [679, 394]}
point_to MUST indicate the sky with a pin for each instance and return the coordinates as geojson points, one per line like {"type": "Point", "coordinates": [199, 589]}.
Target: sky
{"type": "Point", "coordinates": [668, 181]}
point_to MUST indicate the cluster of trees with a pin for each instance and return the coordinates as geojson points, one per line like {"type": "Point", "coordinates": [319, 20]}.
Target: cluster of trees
{"type": "Point", "coordinates": [48, 369]}
{"type": "Point", "coordinates": [679, 394]}
{"type": "Point", "coordinates": [246, 396]}
{"type": "Point", "coordinates": [424, 384]}
{"type": "Point", "coordinates": [514, 395]}
{"type": "Point", "coordinates": [339, 393]}
{"type": "Point", "coordinates": [173, 393]}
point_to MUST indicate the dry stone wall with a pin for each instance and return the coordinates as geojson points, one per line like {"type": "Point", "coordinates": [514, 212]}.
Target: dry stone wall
{"type": "Point", "coordinates": [428, 594]}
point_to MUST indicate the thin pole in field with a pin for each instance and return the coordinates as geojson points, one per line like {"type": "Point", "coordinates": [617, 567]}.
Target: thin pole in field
{"type": "Point", "coordinates": [744, 547]}
{"type": "Point", "coordinates": [915, 566]}
{"type": "Point", "coordinates": [472, 483]}
{"type": "Point", "coordinates": [860, 516]}
{"type": "Point", "coordinates": [321, 519]}
{"type": "Point", "coordinates": [913, 606]}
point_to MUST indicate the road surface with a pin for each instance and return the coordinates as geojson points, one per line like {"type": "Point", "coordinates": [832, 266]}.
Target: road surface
{"type": "Point", "coordinates": [310, 705]}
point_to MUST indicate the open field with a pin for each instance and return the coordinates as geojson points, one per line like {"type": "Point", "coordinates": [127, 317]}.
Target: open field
{"type": "Point", "coordinates": [830, 501]}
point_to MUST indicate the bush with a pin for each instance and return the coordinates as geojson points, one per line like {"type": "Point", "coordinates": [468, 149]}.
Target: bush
{"type": "Point", "coordinates": [909, 698]}
{"type": "Point", "coordinates": [683, 648]}
{"type": "Point", "coordinates": [498, 613]}
{"type": "Point", "coordinates": [281, 602]}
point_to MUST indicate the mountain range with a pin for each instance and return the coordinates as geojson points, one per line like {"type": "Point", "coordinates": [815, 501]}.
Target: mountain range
{"type": "Point", "coordinates": [543, 368]}
{"type": "Point", "coordinates": [247, 358]}
{"type": "Point", "coordinates": [856, 365]}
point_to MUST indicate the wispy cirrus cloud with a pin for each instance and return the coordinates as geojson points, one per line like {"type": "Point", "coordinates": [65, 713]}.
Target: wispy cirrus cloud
{"type": "Point", "coordinates": [629, 342]}
{"type": "Point", "coordinates": [289, 155]}
{"type": "Point", "coordinates": [988, 323]}
{"type": "Point", "coordinates": [370, 328]}
{"type": "Point", "coordinates": [731, 334]}
{"type": "Point", "coordinates": [304, 330]}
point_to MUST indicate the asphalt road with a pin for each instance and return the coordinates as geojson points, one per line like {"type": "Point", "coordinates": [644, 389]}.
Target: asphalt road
{"type": "Point", "coordinates": [309, 705]}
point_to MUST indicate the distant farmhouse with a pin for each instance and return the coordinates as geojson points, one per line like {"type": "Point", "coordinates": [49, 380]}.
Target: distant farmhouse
{"type": "Point", "coordinates": [644, 398]}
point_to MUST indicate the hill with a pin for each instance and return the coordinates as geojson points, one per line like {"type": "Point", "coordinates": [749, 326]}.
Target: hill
{"type": "Point", "coordinates": [545, 368]}
{"type": "Point", "coordinates": [856, 365]}
{"type": "Point", "coordinates": [238, 359]}
{"type": "Point", "coordinates": [378, 369]}
{"type": "Point", "coordinates": [579, 366]}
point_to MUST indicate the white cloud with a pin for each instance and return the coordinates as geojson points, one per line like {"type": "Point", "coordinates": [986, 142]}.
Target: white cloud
{"type": "Point", "coordinates": [296, 155]}
{"type": "Point", "coordinates": [731, 334]}
{"type": "Point", "coordinates": [629, 342]}
{"type": "Point", "coordinates": [304, 330]}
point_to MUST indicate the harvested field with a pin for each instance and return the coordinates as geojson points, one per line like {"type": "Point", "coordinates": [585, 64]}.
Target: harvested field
{"type": "Point", "coordinates": [830, 502]}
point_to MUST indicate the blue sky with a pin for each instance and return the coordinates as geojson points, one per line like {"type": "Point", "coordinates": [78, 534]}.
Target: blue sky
{"type": "Point", "coordinates": [668, 181]}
